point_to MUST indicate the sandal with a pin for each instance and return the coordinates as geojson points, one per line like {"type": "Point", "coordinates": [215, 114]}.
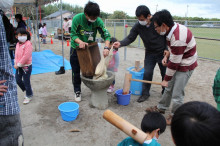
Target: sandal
{"type": "Point", "coordinates": [155, 109]}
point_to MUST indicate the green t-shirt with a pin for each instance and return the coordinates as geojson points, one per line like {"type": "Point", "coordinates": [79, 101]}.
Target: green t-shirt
{"type": "Point", "coordinates": [131, 142]}
{"type": "Point", "coordinates": [86, 31]}
{"type": "Point", "coordinates": [216, 87]}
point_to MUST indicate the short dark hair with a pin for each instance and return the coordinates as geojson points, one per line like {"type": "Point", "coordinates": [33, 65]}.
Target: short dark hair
{"type": "Point", "coordinates": [65, 19]}
{"type": "Point", "coordinates": [92, 9]}
{"type": "Point", "coordinates": [113, 40]}
{"type": "Point", "coordinates": [142, 10]}
{"type": "Point", "coordinates": [18, 16]}
{"type": "Point", "coordinates": [23, 31]}
{"type": "Point", "coordinates": [196, 123]}
{"type": "Point", "coordinates": [152, 121]}
{"type": "Point", "coordinates": [163, 16]}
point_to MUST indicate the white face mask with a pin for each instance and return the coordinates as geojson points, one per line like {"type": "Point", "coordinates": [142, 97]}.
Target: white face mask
{"type": "Point", "coordinates": [162, 33]}
{"type": "Point", "coordinates": [142, 22]}
{"type": "Point", "coordinates": [22, 39]}
{"type": "Point", "coordinates": [91, 20]}
{"type": "Point", "coordinates": [6, 4]}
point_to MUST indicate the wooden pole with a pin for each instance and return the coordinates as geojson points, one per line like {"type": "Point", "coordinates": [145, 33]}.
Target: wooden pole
{"type": "Point", "coordinates": [127, 83]}
{"type": "Point", "coordinates": [137, 64]}
{"type": "Point", "coordinates": [125, 126]}
{"type": "Point", "coordinates": [144, 81]}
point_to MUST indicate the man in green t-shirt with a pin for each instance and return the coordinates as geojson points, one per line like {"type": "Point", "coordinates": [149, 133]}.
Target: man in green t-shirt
{"type": "Point", "coordinates": [83, 31]}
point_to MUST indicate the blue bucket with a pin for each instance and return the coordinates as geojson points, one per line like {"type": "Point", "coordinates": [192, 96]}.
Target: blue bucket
{"type": "Point", "coordinates": [136, 87]}
{"type": "Point", "coordinates": [122, 99]}
{"type": "Point", "coordinates": [69, 110]}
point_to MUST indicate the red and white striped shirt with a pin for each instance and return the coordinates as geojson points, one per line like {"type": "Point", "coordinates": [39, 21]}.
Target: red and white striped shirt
{"type": "Point", "coordinates": [182, 48]}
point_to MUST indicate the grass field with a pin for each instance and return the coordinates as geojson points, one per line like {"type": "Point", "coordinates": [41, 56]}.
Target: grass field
{"type": "Point", "coordinates": [206, 48]}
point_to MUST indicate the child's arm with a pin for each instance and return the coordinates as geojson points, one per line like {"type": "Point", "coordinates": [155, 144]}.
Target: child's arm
{"type": "Point", "coordinates": [27, 54]}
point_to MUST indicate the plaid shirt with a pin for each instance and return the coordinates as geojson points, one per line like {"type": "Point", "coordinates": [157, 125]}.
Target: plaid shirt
{"type": "Point", "coordinates": [9, 101]}
{"type": "Point", "coordinates": [216, 87]}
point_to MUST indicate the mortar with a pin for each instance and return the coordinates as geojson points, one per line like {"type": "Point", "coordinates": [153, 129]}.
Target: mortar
{"type": "Point", "coordinates": [99, 97]}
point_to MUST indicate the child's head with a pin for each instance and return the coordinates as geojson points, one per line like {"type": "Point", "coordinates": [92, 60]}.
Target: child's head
{"type": "Point", "coordinates": [23, 35]}
{"type": "Point", "coordinates": [196, 123]}
{"type": "Point", "coordinates": [153, 123]}
{"type": "Point", "coordinates": [112, 41]}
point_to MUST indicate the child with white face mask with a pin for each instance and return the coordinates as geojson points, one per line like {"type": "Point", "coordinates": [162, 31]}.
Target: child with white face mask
{"type": "Point", "coordinates": [153, 124]}
{"type": "Point", "coordinates": [23, 63]}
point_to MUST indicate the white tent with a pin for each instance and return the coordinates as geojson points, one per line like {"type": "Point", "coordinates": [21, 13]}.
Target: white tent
{"type": "Point", "coordinates": [18, 3]}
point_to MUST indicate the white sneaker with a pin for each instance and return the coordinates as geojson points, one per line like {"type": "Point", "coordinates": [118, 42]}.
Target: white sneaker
{"type": "Point", "coordinates": [78, 96]}
{"type": "Point", "coordinates": [26, 100]}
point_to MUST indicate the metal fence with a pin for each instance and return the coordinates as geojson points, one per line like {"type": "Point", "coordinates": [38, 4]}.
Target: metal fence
{"type": "Point", "coordinates": [207, 34]}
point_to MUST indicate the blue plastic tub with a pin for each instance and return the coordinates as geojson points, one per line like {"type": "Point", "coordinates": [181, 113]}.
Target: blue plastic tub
{"type": "Point", "coordinates": [122, 99]}
{"type": "Point", "coordinates": [69, 110]}
{"type": "Point", "coordinates": [136, 87]}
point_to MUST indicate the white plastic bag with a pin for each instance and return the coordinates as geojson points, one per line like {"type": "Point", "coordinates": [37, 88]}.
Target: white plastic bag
{"type": "Point", "coordinates": [101, 68]}
{"type": "Point", "coordinates": [6, 4]}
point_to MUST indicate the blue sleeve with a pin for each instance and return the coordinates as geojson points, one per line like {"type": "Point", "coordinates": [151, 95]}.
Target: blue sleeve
{"type": "Point", "coordinates": [125, 142]}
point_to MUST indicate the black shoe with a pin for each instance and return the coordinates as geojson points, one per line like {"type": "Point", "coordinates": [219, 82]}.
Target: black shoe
{"type": "Point", "coordinates": [61, 71]}
{"type": "Point", "coordinates": [143, 98]}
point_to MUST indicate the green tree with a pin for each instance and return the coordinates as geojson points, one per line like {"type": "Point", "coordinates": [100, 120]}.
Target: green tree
{"type": "Point", "coordinates": [118, 15]}
{"type": "Point", "coordinates": [51, 8]}
{"type": "Point", "coordinates": [104, 15]}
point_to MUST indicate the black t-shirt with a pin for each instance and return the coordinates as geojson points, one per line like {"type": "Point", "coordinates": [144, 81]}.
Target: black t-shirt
{"type": "Point", "coordinates": [153, 42]}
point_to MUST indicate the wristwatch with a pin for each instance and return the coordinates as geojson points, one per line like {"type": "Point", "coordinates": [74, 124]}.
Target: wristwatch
{"type": "Point", "coordinates": [106, 48]}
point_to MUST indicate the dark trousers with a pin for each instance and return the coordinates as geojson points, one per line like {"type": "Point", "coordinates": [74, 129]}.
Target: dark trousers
{"type": "Point", "coordinates": [149, 64]}
{"type": "Point", "coordinates": [76, 79]}
{"type": "Point", "coordinates": [23, 76]}
{"type": "Point", "coordinates": [10, 130]}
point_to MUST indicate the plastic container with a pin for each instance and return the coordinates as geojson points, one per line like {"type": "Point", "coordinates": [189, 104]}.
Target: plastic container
{"type": "Point", "coordinates": [122, 99]}
{"type": "Point", "coordinates": [136, 87]}
{"type": "Point", "coordinates": [69, 111]}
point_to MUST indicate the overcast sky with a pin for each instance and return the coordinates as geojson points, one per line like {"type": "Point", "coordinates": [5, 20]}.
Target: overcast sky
{"type": "Point", "coordinates": [196, 8]}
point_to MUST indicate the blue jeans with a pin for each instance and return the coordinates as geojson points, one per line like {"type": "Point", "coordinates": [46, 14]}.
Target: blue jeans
{"type": "Point", "coordinates": [24, 84]}
{"type": "Point", "coordinates": [76, 79]}
{"type": "Point", "coordinates": [149, 65]}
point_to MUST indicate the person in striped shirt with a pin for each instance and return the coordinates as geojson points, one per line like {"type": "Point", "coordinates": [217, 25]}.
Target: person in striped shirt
{"type": "Point", "coordinates": [180, 61]}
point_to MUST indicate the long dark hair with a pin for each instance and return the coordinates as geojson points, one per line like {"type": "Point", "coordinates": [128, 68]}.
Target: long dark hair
{"type": "Point", "coordinates": [40, 25]}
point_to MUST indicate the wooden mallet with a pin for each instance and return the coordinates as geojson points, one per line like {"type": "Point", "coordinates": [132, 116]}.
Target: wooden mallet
{"type": "Point", "coordinates": [125, 126]}
{"type": "Point", "coordinates": [128, 79]}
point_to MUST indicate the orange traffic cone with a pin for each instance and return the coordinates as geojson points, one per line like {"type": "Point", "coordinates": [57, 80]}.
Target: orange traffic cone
{"type": "Point", "coordinates": [68, 43]}
{"type": "Point", "coordinates": [51, 41]}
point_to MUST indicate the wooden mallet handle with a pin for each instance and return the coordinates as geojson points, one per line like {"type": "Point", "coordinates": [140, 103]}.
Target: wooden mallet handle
{"type": "Point", "coordinates": [125, 126]}
{"type": "Point", "coordinates": [127, 83]}
{"type": "Point", "coordinates": [145, 81]}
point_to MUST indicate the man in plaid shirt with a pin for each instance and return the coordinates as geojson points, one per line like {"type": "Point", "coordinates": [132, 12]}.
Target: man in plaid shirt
{"type": "Point", "coordinates": [10, 123]}
{"type": "Point", "coordinates": [216, 89]}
